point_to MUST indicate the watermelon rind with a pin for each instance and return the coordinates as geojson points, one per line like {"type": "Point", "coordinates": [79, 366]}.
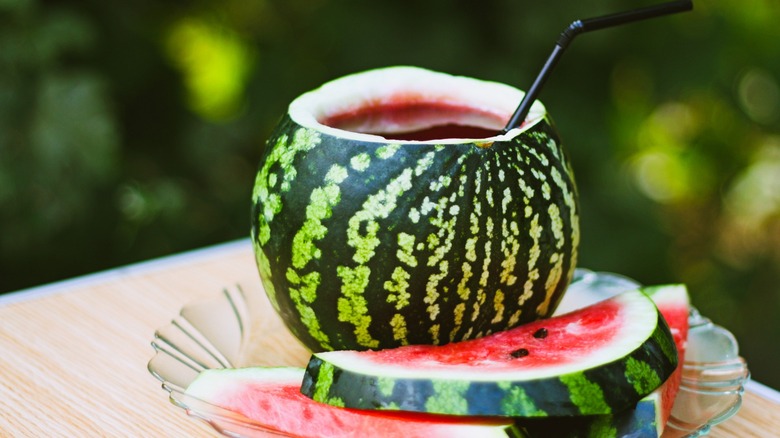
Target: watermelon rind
{"type": "Point", "coordinates": [640, 421]}
{"type": "Point", "coordinates": [344, 94]}
{"type": "Point", "coordinates": [636, 361]}
{"type": "Point", "coordinates": [268, 400]}
{"type": "Point", "coordinates": [364, 242]}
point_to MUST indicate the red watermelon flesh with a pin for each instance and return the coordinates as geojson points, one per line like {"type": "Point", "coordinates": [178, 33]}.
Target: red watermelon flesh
{"type": "Point", "coordinates": [271, 399]}
{"type": "Point", "coordinates": [594, 328]}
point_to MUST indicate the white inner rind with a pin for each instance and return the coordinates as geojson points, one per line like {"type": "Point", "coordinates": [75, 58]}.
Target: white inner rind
{"type": "Point", "coordinates": [674, 294]}
{"type": "Point", "coordinates": [382, 85]}
{"type": "Point", "coordinates": [638, 319]}
{"type": "Point", "coordinates": [213, 382]}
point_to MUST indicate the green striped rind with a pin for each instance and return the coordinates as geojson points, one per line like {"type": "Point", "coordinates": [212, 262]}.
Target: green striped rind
{"type": "Point", "coordinates": [365, 244]}
{"type": "Point", "coordinates": [606, 389]}
{"type": "Point", "coordinates": [641, 421]}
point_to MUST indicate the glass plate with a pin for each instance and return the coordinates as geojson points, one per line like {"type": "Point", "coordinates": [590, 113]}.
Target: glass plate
{"type": "Point", "coordinates": [216, 334]}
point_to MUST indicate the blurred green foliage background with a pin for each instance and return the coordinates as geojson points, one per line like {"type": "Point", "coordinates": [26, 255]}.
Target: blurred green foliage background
{"type": "Point", "coordinates": [132, 130]}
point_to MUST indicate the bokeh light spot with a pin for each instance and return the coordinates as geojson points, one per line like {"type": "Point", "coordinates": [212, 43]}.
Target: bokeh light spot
{"type": "Point", "coordinates": [215, 63]}
{"type": "Point", "coordinates": [660, 176]}
{"type": "Point", "coordinates": [759, 96]}
{"type": "Point", "coordinates": [751, 221]}
{"type": "Point", "coordinates": [755, 195]}
{"type": "Point", "coordinates": [666, 167]}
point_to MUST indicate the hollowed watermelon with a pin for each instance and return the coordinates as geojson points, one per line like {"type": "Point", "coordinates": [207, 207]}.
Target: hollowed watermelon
{"type": "Point", "coordinates": [600, 359]}
{"type": "Point", "coordinates": [270, 398]}
{"type": "Point", "coordinates": [649, 417]}
{"type": "Point", "coordinates": [388, 210]}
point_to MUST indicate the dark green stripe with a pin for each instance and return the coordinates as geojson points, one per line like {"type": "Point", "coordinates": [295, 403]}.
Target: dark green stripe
{"type": "Point", "coordinates": [377, 317]}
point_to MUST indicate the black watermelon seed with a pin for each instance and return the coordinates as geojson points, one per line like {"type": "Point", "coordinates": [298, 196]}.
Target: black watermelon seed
{"type": "Point", "coordinates": [522, 352]}
{"type": "Point", "coordinates": [541, 333]}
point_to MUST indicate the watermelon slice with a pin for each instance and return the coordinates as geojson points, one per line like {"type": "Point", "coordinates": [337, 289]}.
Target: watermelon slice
{"type": "Point", "coordinates": [648, 419]}
{"type": "Point", "coordinates": [674, 304]}
{"type": "Point", "coordinates": [598, 360]}
{"type": "Point", "coordinates": [270, 398]}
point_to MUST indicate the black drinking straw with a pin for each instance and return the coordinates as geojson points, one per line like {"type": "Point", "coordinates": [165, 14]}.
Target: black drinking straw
{"type": "Point", "coordinates": [580, 26]}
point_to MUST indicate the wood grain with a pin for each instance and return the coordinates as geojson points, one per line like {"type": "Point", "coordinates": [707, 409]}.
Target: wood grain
{"type": "Point", "coordinates": [73, 355]}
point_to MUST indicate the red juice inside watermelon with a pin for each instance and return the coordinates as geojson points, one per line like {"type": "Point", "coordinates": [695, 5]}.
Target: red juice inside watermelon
{"type": "Point", "coordinates": [411, 117]}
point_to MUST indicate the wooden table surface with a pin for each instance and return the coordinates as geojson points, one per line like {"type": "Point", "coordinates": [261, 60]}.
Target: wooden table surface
{"type": "Point", "coordinates": [73, 354]}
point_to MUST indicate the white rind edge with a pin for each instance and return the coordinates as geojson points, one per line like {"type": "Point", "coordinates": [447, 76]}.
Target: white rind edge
{"type": "Point", "coordinates": [347, 92]}
{"type": "Point", "coordinates": [637, 307]}
{"type": "Point", "coordinates": [213, 381]}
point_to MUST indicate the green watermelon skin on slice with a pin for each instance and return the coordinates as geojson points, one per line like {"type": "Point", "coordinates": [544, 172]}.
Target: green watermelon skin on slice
{"type": "Point", "coordinates": [269, 399]}
{"type": "Point", "coordinates": [649, 417]}
{"type": "Point", "coordinates": [598, 360]}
